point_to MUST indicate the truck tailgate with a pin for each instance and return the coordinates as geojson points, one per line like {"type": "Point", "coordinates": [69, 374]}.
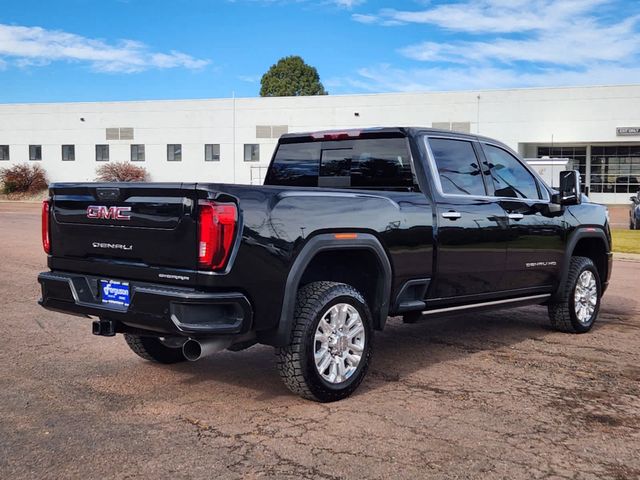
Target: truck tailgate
{"type": "Point", "coordinates": [145, 224]}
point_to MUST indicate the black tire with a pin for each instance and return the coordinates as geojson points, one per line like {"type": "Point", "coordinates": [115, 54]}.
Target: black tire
{"type": "Point", "coordinates": [562, 311]}
{"type": "Point", "coordinates": [152, 349]}
{"type": "Point", "coordinates": [296, 363]}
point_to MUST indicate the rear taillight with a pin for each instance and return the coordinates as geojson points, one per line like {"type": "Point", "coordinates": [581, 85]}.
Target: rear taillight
{"type": "Point", "coordinates": [46, 242]}
{"type": "Point", "coordinates": [217, 228]}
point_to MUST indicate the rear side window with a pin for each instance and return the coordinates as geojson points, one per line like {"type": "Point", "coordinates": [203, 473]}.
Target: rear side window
{"type": "Point", "coordinates": [457, 167]}
{"type": "Point", "coordinates": [510, 177]}
{"type": "Point", "coordinates": [382, 164]}
{"type": "Point", "coordinates": [296, 165]}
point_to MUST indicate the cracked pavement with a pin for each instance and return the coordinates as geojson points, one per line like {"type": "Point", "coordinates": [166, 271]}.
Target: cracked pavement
{"type": "Point", "coordinates": [495, 395]}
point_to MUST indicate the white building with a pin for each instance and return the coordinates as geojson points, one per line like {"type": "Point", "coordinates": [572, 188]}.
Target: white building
{"type": "Point", "coordinates": [231, 140]}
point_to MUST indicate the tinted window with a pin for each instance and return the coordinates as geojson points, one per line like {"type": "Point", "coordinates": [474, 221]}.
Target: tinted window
{"type": "Point", "coordinates": [212, 152]}
{"type": "Point", "coordinates": [174, 152]}
{"type": "Point", "coordinates": [251, 152]}
{"type": "Point", "coordinates": [335, 168]}
{"type": "Point", "coordinates": [102, 153]}
{"type": "Point", "coordinates": [35, 152]}
{"type": "Point", "coordinates": [457, 166]}
{"type": "Point", "coordinates": [382, 163]}
{"type": "Point", "coordinates": [4, 152]}
{"type": "Point", "coordinates": [295, 164]}
{"type": "Point", "coordinates": [137, 153]}
{"type": "Point", "coordinates": [68, 152]}
{"type": "Point", "coordinates": [510, 177]}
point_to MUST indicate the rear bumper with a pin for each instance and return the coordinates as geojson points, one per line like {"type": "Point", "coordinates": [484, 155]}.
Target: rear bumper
{"type": "Point", "coordinates": [156, 308]}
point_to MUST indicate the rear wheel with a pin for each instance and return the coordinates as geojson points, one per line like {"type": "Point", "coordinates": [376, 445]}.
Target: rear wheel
{"type": "Point", "coordinates": [331, 342]}
{"type": "Point", "coordinates": [576, 308]}
{"type": "Point", "coordinates": [152, 349]}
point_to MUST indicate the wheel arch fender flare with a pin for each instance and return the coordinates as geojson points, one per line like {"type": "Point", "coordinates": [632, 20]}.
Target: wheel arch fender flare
{"type": "Point", "coordinates": [577, 235]}
{"type": "Point", "coordinates": [327, 242]}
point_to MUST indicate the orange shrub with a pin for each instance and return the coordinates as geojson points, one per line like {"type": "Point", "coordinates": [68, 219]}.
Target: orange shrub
{"type": "Point", "coordinates": [121, 172]}
{"type": "Point", "coordinates": [23, 178]}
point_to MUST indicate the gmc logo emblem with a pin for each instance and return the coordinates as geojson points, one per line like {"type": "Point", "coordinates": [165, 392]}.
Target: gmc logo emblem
{"type": "Point", "coordinates": [109, 213]}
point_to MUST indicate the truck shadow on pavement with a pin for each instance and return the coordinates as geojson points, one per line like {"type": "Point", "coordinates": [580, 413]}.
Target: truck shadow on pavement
{"type": "Point", "coordinates": [400, 350]}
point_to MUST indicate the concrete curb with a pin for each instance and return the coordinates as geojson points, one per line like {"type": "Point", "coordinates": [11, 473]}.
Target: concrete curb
{"type": "Point", "coordinates": [629, 257]}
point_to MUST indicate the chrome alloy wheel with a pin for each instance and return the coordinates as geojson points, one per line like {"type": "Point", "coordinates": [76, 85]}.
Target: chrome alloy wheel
{"type": "Point", "coordinates": [339, 343]}
{"type": "Point", "coordinates": [585, 296]}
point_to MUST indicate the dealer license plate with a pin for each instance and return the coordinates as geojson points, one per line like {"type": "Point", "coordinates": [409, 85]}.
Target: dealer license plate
{"type": "Point", "coordinates": [114, 292]}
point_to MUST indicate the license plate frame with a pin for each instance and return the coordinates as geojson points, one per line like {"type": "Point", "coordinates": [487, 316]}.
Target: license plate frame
{"type": "Point", "coordinates": [115, 292]}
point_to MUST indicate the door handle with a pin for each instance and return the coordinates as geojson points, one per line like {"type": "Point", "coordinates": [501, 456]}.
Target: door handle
{"type": "Point", "coordinates": [451, 215]}
{"type": "Point", "coordinates": [515, 216]}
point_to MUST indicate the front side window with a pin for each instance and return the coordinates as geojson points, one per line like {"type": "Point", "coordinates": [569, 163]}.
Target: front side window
{"type": "Point", "coordinates": [137, 153]}
{"type": "Point", "coordinates": [510, 177]}
{"type": "Point", "coordinates": [102, 153]}
{"type": "Point", "coordinates": [174, 152]}
{"type": "Point", "coordinates": [251, 152]}
{"type": "Point", "coordinates": [68, 153]}
{"type": "Point", "coordinates": [35, 152]}
{"type": "Point", "coordinates": [4, 152]}
{"type": "Point", "coordinates": [212, 152]}
{"type": "Point", "coordinates": [458, 167]}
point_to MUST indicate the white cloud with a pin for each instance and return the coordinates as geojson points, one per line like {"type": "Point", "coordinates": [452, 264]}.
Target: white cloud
{"type": "Point", "coordinates": [346, 4]}
{"type": "Point", "coordinates": [510, 43]}
{"type": "Point", "coordinates": [349, 4]}
{"type": "Point", "coordinates": [578, 44]}
{"type": "Point", "coordinates": [36, 46]}
{"type": "Point", "coordinates": [385, 78]}
{"type": "Point", "coordinates": [249, 78]}
{"type": "Point", "coordinates": [496, 16]}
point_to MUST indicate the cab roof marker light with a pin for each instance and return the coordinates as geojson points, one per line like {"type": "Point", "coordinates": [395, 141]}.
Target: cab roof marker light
{"type": "Point", "coordinates": [345, 236]}
{"type": "Point", "coordinates": [338, 135]}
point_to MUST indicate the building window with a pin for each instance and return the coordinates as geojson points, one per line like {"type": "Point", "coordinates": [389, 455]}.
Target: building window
{"type": "Point", "coordinates": [102, 153]}
{"type": "Point", "coordinates": [4, 152]}
{"type": "Point", "coordinates": [137, 153]}
{"type": "Point", "coordinates": [212, 152]}
{"type": "Point", "coordinates": [35, 152]}
{"type": "Point", "coordinates": [174, 152]}
{"type": "Point", "coordinates": [615, 169]}
{"type": "Point", "coordinates": [576, 155]}
{"type": "Point", "coordinates": [251, 152]}
{"type": "Point", "coordinates": [68, 153]}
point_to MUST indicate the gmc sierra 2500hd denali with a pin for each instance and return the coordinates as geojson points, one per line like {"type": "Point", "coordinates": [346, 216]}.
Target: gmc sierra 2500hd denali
{"type": "Point", "coordinates": [349, 228]}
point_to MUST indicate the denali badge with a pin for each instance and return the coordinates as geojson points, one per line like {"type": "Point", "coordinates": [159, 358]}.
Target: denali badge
{"type": "Point", "coordinates": [114, 246]}
{"type": "Point", "coordinates": [113, 213]}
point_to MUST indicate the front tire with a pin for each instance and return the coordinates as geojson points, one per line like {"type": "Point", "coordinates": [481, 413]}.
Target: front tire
{"type": "Point", "coordinates": [152, 349]}
{"type": "Point", "coordinates": [331, 342]}
{"type": "Point", "coordinates": [576, 308]}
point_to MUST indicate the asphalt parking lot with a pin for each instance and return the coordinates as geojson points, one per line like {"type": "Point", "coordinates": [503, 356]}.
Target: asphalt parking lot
{"type": "Point", "coordinates": [496, 395]}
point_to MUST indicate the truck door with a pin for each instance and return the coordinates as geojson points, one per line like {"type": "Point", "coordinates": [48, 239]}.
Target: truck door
{"type": "Point", "coordinates": [536, 235]}
{"type": "Point", "coordinates": [472, 229]}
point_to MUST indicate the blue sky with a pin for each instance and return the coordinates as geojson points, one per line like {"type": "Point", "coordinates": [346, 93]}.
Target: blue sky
{"type": "Point", "coordinates": [81, 50]}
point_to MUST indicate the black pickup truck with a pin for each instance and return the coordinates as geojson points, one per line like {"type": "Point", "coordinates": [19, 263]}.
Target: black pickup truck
{"type": "Point", "coordinates": [350, 227]}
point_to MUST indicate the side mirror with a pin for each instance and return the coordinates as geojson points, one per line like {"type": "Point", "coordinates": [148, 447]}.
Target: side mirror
{"type": "Point", "coordinates": [569, 191]}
